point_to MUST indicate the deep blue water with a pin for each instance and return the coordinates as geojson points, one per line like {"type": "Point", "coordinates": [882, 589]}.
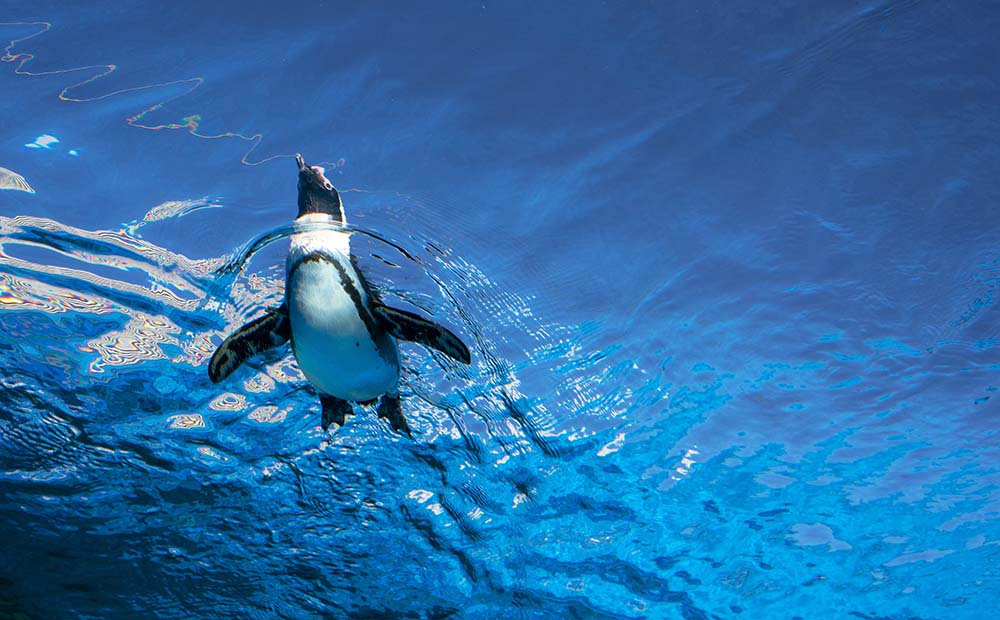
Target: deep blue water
{"type": "Point", "coordinates": [729, 274]}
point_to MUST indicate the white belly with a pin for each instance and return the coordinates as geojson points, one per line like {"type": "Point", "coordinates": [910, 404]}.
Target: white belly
{"type": "Point", "coordinates": [331, 341]}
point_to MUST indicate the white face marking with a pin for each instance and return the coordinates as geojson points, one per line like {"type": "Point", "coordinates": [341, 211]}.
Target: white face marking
{"type": "Point", "coordinates": [321, 172]}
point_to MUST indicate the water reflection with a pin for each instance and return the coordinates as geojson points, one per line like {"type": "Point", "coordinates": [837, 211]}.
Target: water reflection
{"type": "Point", "coordinates": [130, 326]}
{"type": "Point", "coordinates": [11, 180]}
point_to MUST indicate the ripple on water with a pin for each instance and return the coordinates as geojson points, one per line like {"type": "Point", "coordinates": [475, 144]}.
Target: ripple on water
{"type": "Point", "coordinates": [147, 428]}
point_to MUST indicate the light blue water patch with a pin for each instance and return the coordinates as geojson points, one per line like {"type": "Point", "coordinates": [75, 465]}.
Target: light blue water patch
{"type": "Point", "coordinates": [44, 141]}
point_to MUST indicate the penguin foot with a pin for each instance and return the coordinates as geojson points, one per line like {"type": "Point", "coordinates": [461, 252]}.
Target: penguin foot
{"type": "Point", "coordinates": [390, 407]}
{"type": "Point", "coordinates": [335, 410]}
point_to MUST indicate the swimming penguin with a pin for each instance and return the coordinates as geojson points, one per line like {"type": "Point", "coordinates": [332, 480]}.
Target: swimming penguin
{"type": "Point", "coordinates": [342, 335]}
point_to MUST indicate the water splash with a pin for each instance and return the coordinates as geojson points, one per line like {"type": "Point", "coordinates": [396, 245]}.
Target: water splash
{"type": "Point", "coordinates": [242, 255]}
{"type": "Point", "coordinates": [171, 209]}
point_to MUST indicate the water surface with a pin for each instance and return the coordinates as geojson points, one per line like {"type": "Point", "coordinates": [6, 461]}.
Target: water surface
{"type": "Point", "coordinates": [728, 276]}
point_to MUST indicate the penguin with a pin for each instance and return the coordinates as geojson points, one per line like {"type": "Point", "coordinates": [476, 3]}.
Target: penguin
{"type": "Point", "coordinates": [342, 335]}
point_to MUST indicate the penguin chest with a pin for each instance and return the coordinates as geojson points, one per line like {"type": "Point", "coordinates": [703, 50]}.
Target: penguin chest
{"type": "Point", "coordinates": [335, 343]}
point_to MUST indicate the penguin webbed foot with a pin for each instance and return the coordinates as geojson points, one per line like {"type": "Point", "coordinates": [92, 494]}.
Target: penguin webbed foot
{"type": "Point", "coordinates": [335, 410]}
{"type": "Point", "coordinates": [391, 407]}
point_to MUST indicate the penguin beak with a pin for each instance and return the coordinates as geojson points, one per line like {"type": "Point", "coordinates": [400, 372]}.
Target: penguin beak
{"type": "Point", "coordinates": [301, 162]}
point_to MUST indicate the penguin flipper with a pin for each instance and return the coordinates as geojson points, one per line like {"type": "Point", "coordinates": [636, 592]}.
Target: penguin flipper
{"type": "Point", "coordinates": [390, 408]}
{"type": "Point", "coordinates": [259, 335]}
{"type": "Point", "coordinates": [414, 328]}
{"type": "Point", "coordinates": [335, 410]}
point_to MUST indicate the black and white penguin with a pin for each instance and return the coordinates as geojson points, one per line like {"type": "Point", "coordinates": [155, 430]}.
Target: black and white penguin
{"type": "Point", "coordinates": [342, 335]}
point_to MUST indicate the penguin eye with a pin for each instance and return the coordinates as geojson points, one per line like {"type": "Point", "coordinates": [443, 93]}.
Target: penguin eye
{"type": "Point", "coordinates": [328, 186]}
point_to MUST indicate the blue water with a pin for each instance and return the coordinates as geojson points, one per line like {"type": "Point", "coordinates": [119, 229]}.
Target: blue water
{"type": "Point", "coordinates": [729, 275]}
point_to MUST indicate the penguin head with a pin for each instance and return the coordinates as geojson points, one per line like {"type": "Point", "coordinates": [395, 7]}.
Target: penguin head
{"type": "Point", "coordinates": [316, 193]}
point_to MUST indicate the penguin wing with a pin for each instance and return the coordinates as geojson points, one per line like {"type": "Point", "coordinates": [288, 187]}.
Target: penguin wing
{"type": "Point", "coordinates": [259, 335]}
{"type": "Point", "coordinates": [414, 328]}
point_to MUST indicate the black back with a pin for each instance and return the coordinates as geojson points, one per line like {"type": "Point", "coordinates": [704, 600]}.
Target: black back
{"type": "Point", "coordinates": [316, 193]}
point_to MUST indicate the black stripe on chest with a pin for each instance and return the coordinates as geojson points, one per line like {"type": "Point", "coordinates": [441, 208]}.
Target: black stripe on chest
{"type": "Point", "coordinates": [347, 282]}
